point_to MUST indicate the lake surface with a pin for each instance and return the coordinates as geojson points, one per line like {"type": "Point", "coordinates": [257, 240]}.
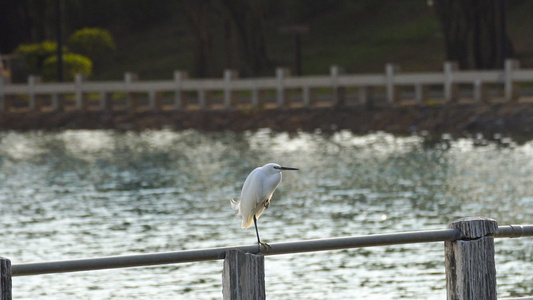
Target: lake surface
{"type": "Point", "coordinates": [80, 194]}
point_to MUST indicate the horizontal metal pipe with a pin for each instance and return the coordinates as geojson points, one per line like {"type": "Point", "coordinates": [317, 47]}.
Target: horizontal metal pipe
{"type": "Point", "coordinates": [277, 248]}
{"type": "Point", "coordinates": [514, 231]}
{"type": "Point", "coordinates": [219, 253]}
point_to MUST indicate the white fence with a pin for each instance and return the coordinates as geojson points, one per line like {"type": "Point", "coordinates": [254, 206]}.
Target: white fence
{"type": "Point", "coordinates": [281, 91]}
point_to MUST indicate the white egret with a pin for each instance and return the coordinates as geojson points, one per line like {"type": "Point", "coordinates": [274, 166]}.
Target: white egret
{"type": "Point", "coordinates": [256, 193]}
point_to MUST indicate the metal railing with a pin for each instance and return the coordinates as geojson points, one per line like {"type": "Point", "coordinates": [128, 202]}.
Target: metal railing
{"type": "Point", "coordinates": [511, 231]}
{"type": "Point", "coordinates": [450, 235]}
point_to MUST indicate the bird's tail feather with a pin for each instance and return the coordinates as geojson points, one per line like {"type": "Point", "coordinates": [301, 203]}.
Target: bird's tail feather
{"type": "Point", "coordinates": [235, 204]}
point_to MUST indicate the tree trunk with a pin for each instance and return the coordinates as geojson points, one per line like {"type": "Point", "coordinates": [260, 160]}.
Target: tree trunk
{"type": "Point", "coordinates": [474, 32]}
{"type": "Point", "coordinates": [245, 30]}
{"type": "Point", "coordinates": [199, 16]}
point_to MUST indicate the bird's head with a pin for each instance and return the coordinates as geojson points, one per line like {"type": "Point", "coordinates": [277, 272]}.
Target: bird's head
{"type": "Point", "coordinates": [273, 168]}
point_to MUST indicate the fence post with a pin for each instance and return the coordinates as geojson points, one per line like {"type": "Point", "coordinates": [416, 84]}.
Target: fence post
{"type": "Point", "coordinates": [80, 103]}
{"type": "Point", "coordinates": [470, 265]}
{"type": "Point", "coordinates": [308, 98]}
{"type": "Point", "coordinates": [282, 95]}
{"type": "Point", "coordinates": [230, 97]}
{"type": "Point", "coordinates": [131, 99]}
{"type": "Point", "coordinates": [392, 91]}
{"type": "Point", "coordinates": [2, 93]}
{"type": "Point", "coordinates": [5, 279]}
{"type": "Point", "coordinates": [32, 81]}
{"type": "Point", "coordinates": [511, 89]}
{"type": "Point", "coordinates": [480, 91]}
{"type": "Point", "coordinates": [243, 276]}
{"type": "Point", "coordinates": [450, 88]}
{"type": "Point", "coordinates": [180, 98]}
{"type": "Point", "coordinates": [258, 99]}
{"type": "Point", "coordinates": [106, 101]}
{"type": "Point", "coordinates": [421, 93]}
{"type": "Point", "coordinates": [339, 93]}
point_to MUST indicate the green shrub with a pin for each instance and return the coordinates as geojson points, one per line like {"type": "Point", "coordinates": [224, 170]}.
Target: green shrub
{"type": "Point", "coordinates": [95, 43]}
{"type": "Point", "coordinates": [72, 64]}
{"type": "Point", "coordinates": [35, 54]}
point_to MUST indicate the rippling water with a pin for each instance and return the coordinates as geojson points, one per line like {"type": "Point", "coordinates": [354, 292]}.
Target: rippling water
{"type": "Point", "coordinates": [79, 194]}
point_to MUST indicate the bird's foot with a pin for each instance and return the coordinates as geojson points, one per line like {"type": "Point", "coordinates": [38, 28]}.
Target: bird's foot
{"type": "Point", "coordinates": [267, 247]}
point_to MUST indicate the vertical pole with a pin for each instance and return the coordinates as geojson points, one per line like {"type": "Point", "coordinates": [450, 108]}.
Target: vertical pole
{"type": "Point", "coordinates": [243, 276]}
{"type": "Point", "coordinates": [450, 88]}
{"type": "Point", "coordinates": [230, 99]}
{"type": "Point", "coordinates": [308, 101]}
{"type": "Point", "coordinates": [80, 105]}
{"type": "Point", "coordinates": [5, 279]}
{"type": "Point", "coordinates": [470, 265]}
{"type": "Point", "coordinates": [392, 91]}
{"type": "Point", "coordinates": [421, 92]}
{"type": "Point", "coordinates": [32, 81]}
{"type": "Point", "coordinates": [281, 74]}
{"type": "Point", "coordinates": [180, 100]}
{"type": "Point", "coordinates": [338, 92]}
{"type": "Point", "coordinates": [153, 100]}
{"type": "Point", "coordinates": [55, 102]}
{"type": "Point", "coordinates": [258, 101]}
{"type": "Point", "coordinates": [479, 91]}
{"type": "Point", "coordinates": [106, 101]}
{"type": "Point", "coordinates": [2, 94]}
{"type": "Point", "coordinates": [131, 99]}
{"type": "Point", "coordinates": [202, 99]}
{"type": "Point", "coordinates": [510, 89]}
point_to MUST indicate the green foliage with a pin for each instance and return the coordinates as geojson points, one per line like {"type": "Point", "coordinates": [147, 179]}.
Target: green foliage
{"type": "Point", "coordinates": [95, 43]}
{"type": "Point", "coordinates": [35, 54]}
{"type": "Point", "coordinates": [72, 64]}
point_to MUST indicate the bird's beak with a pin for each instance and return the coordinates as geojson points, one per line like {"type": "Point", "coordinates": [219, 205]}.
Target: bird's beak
{"type": "Point", "coordinates": [288, 169]}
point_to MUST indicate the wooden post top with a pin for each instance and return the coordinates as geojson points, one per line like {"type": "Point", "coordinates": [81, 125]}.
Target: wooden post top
{"type": "Point", "coordinates": [475, 227]}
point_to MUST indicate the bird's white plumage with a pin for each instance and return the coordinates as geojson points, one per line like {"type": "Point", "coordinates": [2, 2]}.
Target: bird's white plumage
{"type": "Point", "coordinates": [256, 193]}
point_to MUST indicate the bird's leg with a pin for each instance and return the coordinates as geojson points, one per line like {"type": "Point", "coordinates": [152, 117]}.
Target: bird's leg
{"type": "Point", "coordinates": [267, 246]}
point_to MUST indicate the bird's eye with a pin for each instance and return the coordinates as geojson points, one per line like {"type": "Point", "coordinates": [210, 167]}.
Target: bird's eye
{"type": "Point", "coordinates": [277, 167]}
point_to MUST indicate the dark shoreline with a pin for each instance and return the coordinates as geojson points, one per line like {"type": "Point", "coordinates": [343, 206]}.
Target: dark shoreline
{"type": "Point", "coordinates": [514, 120]}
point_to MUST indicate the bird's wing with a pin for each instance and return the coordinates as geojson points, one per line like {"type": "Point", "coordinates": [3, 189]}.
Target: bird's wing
{"type": "Point", "coordinates": [253, 190]}
{"type": "Point", "coordinates": [254, 198]}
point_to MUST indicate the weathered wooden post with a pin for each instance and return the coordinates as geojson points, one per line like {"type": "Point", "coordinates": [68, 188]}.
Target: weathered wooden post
{"type": "Point", "coordinates": [243, 277]}
{"type": "Point", "coordinates": [470, 265]}
{"type": "Point", "coordinates": [393, 92]}
{"type": "Point", "coordinates": [450, 87]}
{"type": "Point", "coordinates": [5, 279]}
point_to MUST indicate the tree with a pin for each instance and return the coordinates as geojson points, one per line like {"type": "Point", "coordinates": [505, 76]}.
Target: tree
{"type": "Point", "coordinates": [475, 32]}
{"type": "Point", "coordinates": [245, 31]}
{"type": "Point", "coordinates": [199, 15]}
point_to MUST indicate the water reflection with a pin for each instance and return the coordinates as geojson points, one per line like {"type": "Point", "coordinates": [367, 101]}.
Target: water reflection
{"type": "Point", "coordinates": [76, 194]}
